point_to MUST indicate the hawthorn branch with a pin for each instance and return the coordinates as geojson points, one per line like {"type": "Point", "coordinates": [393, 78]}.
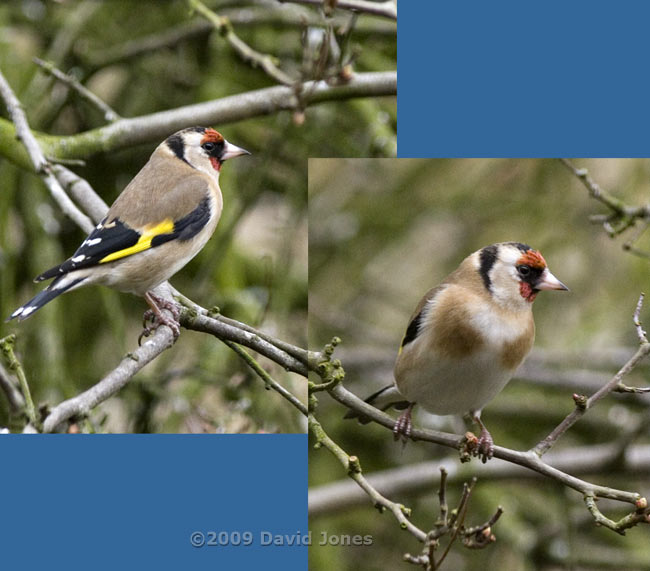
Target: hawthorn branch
{"type": "Point", "coordinates": [353, 467]}
{"type": "Point", "coordinates": [241, 17]}
{"type": "Point", "coordinates": [386, 9]}
{"type": "Point", "coordinates": [13, 395]}
{"type": "Point", "coordinates": [584, 404]}
{"type": "Point", "coordinates": [246, 337]}
{"type": "Point", "coordinates": [157, 126]}
{"type": "Point", "coordinates": [269, 382]}
{"type": "Point", "coordinates": [257, 59]}
{"type": "Point", "coordinates": [83, 403]}
{"type": "Point", "coordinates": [7, 348]}
{"type": "Point", "coordinates": [332, 374]}
{"type": "Point", "coordinates": [36, 157]}
{"type": "Point", "coordinates": [622, 216]}
{"type": "Point", "coordinates": [527, 459]}
{"type": "Point", "coordinates": [414, 479]}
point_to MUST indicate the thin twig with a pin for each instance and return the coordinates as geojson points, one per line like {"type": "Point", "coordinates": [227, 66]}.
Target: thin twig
{"type": "Point", "coordinates": [622, 217]}
{"type": "Point", "coordinates": [248, 54]}
{"type": "Point", "coordinates": [583, 404]}
{"type": "Point", "coordinates": [637, 321]}
{"type": "Point", "coordinates": [353, 468]}
{"type": "Point", "coordinates": [269, 382]}
{"type": "Point", "coordinates": [73, 83]}
{"type": "Point", "coordinates": [7, 345]}
{"type": "Point", "coordinates": [13, 395]}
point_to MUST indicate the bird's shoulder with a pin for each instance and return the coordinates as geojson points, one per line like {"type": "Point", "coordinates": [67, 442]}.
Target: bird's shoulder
{"type": "Point", "coordinates": [163, 189]}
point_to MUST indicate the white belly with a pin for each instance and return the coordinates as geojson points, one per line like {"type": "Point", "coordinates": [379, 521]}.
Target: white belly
{"type": "Point", "coordinates": [451, 386]}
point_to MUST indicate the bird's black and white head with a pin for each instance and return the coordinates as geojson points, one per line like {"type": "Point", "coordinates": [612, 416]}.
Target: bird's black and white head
{"type": "Point", "coordinates": [515, 273]}
{"type": "Point", "coordinates": [203, 148]}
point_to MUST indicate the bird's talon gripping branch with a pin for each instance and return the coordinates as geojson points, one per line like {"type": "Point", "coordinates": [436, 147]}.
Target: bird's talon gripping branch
{"type": "Point", "coordinates": [403, 425]}
{"type": "Point", "coordinates": [485, 449]}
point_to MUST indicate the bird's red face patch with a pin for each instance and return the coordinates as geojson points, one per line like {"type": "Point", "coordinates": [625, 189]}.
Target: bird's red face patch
{"type": "Point", "coordinates": [533, 259]}
{"type": "Point", "coordinates": [527, 292]}
{"type": "Point", "coordinates": [212, 136]}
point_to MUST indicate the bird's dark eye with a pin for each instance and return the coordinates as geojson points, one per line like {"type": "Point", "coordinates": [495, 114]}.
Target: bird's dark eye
{"type": "Point", "coordinates": [523, 270]}
{"type": "Point", "coordinates": [208, 147]}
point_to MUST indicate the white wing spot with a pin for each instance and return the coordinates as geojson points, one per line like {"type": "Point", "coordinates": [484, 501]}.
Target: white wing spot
{"type": "Point", "coordinates": [77, 259]}
{"type": "Point", "coordinates": [93, 241]}
{"type": "Point", "coordinates": [26, 311]}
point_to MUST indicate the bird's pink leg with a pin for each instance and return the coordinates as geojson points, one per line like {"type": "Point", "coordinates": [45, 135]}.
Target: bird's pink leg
{"type": "Point", "coordinates": [485, 448]}
{"type": "Point", "coordinates": [403, 424]}
{"type": "Point", "coordinates": [158, 318]}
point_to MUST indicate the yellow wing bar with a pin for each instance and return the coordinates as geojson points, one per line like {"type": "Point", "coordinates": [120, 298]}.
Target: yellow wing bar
{"type": "Point", "coordinates": [144, 242]}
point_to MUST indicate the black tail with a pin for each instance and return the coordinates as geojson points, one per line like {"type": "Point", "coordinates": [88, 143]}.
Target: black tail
{"type": "Point", "coordinates": [55, 289]}
{"type": "Point", "coordinates": [383, 399]}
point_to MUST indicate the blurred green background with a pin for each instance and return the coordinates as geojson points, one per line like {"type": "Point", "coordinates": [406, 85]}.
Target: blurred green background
{"type": "Point", "coordinates": [381, 233]}
{"type": "Point", "coordinates": [255, 267]}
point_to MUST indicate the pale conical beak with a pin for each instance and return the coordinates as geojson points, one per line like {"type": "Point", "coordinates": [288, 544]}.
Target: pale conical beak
{"type": "Point", "coordinates": [231, 151]}
{"type": "Point", "coordinates": [549, 281]}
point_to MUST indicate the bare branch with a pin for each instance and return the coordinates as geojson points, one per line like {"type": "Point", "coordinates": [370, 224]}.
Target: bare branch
{"type": "Point", "coordinates": [7, 345]}
{"type": "Point", "coordinates": [527, 459]}
{"type": "Point", "coordinates": [583, 404]}
{"type": "Point", "coordinates": [37, 158]}
{"type": "Point", "coordinates": [269, 382]}
{"type": "Point", "coordinates": [246, 16]}
{"type": "Point", "coordinates": [156, 126]}
{"type": "Point", "coordinates": [386, 9]}
{"type": "Point", "coordinates": [248, 54]}
{"type": "Point", "coordinates": [8, 387]}
{"type": "Point", "coordinates": [82, 192]}
{"type": "Point", "coordinates": [622, 216]}
{"type": "Point", "coordinates": [637, 321]}
{"type": "Point", "coordinates": [83, 403]}
{"type": "Point", "coordinates": [353, 467]}
{"type": "Point", "coordinates": [203, 322]}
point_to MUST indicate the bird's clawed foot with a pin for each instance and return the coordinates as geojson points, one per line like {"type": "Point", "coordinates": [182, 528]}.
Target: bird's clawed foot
{"type": "Point", "coordinates": [481, 447]}
{"type": "Point", "coordinates": [158, 318]}
{"type": "Point", "coordinates": [403, 425]}
{"type": "Point", "coordinates": [485, 449]}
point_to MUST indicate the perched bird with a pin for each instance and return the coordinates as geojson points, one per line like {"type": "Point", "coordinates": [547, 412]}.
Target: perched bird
{"type": "Point", "coordinates": [159, 222]}
{"type": "Point", "coordinates": [467, 337]}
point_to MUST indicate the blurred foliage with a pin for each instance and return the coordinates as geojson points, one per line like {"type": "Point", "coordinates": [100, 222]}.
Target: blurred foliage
{"type": "Point", "coordinates": [254, 268]}
{"type": "Point", "coordinates": [381, 233]}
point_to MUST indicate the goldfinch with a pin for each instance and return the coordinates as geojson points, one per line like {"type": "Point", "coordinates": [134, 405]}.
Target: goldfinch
{"type": "Point", "coordinates": [159, 222]}
{"type": "Point", "coordinates": [467, 337]}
